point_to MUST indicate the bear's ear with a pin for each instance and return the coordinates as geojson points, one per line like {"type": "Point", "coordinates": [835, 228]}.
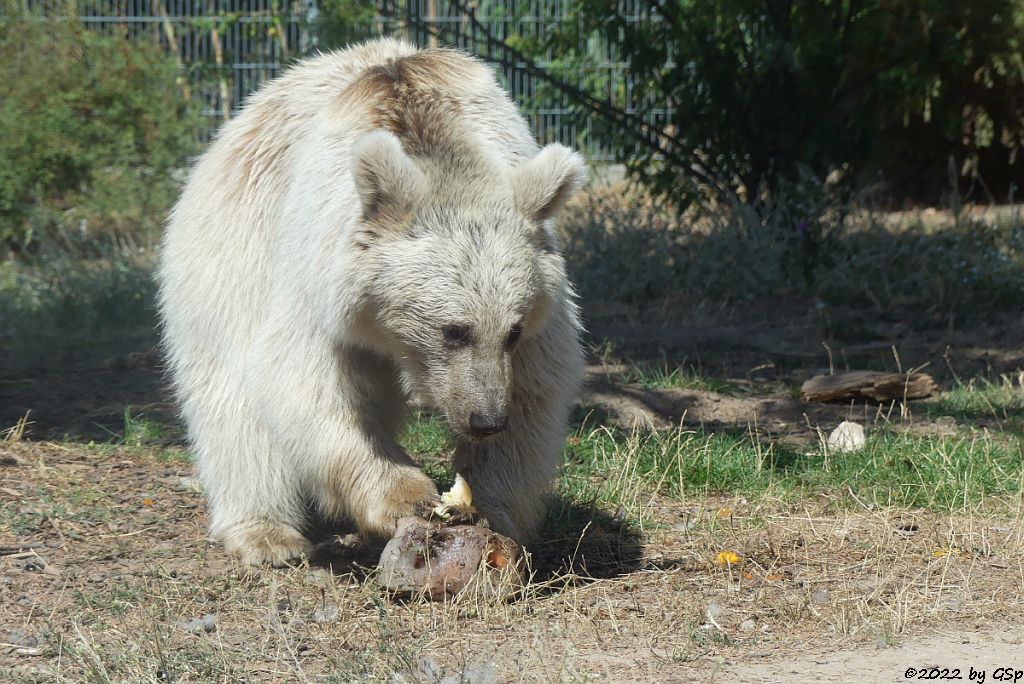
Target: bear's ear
{"type": "Point", "coordinates": [389, 184]}
{"type": "Point", "coordinates": [543, 185]}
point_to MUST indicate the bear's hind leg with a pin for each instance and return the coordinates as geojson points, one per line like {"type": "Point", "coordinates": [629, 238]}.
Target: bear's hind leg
{"type": "Point", "coordinates": [265, 542]}
{"type": "Point", "coordinates": [255, 502]}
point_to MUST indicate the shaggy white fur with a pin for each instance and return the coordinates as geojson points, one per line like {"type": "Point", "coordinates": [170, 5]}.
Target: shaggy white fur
{"type": "Point", "coordinates": [374, 226]}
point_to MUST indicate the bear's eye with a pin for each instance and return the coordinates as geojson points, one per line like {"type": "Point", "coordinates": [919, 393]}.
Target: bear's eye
{"type": "Point", "coordinates": [456, 336]}
{"type": "Point", "coordinates": [515, 334]}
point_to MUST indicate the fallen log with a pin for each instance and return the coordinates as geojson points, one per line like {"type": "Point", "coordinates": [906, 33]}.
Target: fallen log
{"type": "Point", "coordinates": [868, 385]}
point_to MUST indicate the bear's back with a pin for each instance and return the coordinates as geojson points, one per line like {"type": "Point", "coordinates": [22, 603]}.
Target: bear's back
{"type": "Point", "coordinates": [383, 84]}
{"type": "Point", "coordinates": [433, 99]}
{"type": "Point", "coordinates": [224, 240]}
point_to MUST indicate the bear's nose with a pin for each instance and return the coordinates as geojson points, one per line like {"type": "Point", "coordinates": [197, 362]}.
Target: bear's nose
{"type": "Point", "coordinates": [485, 424]}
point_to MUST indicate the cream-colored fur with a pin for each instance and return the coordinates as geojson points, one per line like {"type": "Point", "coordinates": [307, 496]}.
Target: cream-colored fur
{"type": "Point", "coordinates": [374, 226]}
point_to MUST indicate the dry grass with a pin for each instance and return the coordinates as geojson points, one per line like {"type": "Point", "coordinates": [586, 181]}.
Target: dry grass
{"type": "Point", "coordinates": [104, 563]}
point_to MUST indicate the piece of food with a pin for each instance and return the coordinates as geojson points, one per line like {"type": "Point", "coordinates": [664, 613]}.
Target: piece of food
{"type": "Point", "coordinates": [458, 499]}
{"type": "Point", "coordinates": [436, 560]}
{"type": "Point", "coordinates": [727, 558]}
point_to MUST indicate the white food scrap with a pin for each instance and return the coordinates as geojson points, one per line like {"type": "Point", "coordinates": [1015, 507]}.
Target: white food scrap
{"type": "Point", "coordinates": [460, 497]}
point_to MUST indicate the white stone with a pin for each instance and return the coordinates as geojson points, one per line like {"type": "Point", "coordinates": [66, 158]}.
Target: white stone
{"type": "Point", "coordinates": [847, 438]}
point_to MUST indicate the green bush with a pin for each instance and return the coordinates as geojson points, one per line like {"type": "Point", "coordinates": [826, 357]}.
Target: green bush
{"type": "Point", "coordinates": [340, 23]}
{"type": "Point", "coordinates": [765, 94]}
{"type": "Point", "coordinates": [94, 128]}
{"type": "Point", "coordinates": [56, 301]}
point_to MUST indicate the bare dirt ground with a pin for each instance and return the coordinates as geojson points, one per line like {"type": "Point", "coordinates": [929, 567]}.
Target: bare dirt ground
{"type": "Point", "coordinates": [106, 573]}
{"type": "Point", "coordinates": [951, 654]}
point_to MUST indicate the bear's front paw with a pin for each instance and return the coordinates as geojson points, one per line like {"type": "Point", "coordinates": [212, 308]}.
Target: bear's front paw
{"type": "Point", "coordinates": [409, 492]}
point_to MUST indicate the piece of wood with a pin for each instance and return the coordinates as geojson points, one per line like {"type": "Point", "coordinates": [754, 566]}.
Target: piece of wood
{"type": "Point", "coordinates": [434, 560]}
{"type": "Point", "coordinates": [868, 385]}
{"type": "Point", "coordinates": [17, 547]}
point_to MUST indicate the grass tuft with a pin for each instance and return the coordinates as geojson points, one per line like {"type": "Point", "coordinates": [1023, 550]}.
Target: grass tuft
{"type": "Point", "coordinates": [631, 468]}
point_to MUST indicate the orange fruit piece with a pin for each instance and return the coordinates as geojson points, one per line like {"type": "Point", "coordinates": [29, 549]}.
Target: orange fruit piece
{"type": "Point", "coordinates": [727, 558]}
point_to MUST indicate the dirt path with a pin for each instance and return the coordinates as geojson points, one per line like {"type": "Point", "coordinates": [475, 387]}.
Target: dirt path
{"type": "Point", "coordinates": [952, 655]}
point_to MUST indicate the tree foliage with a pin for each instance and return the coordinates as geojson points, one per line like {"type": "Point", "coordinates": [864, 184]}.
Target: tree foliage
{"type": "Point", "coordinates": [93, 127]}
{"type": "Point", "coordinates": [765, 93]}
{"type": "Point", "coordinates": [340, 23]}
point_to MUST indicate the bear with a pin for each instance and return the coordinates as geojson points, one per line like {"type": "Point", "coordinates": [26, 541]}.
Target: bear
{"type": "Point", "coordinates": [373, 231]}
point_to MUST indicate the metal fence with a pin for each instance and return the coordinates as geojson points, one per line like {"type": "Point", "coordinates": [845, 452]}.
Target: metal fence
{"type": "Point", "coordinates": [227, 48]}
{"type": "Point", "coordinates": [552, 113]}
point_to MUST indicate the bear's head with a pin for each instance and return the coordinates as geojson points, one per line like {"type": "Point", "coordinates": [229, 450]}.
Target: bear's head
{"type": "Point", "coordinates": [465, 269]}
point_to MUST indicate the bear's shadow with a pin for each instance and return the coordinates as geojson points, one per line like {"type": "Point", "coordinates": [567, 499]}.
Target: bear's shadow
{"type": "Point", "coordinates": [578, 543]}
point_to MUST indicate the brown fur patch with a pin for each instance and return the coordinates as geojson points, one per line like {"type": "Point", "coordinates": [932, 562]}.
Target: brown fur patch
{"type": "Point", "coordinates": [415, 97]}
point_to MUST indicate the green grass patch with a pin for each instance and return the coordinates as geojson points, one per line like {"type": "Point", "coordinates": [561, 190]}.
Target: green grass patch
{"type": "Point", "coordinates": [174, 456]}
{"type": "Point", "coordinates": [116, 600]}
{"type": "Point", "coordinates": [999, 400]}
{"type": "Point", "coordinates": [614, 468]}
{"type": "Point", "coordinates": [664, 376]}
{"type": "Point", "coordinates": [428, 440]}
{"type": "Point", "coordinates": [140, 431]}
{"type": "Point", "coordinates": [611, 469]}
{"type": "Point", "coordinates": [58, 301]}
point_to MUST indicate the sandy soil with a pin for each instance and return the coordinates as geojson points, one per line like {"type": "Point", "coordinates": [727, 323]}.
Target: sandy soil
{"type": "Point", "coordinates": [952, 655]}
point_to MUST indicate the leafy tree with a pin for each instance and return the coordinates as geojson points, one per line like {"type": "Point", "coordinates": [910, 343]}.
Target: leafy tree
{"type": "Point", "coordinates": [93, 128]}
{"type": "Point", "coordinates": [767, 98]}
{"type": "Point", "coordinates": [764, 93]}
{"type": "Point", "coordinates": [342, 22]}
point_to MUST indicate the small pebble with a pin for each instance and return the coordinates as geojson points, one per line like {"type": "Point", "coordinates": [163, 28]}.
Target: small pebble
{"type": "Point", "coordinates": [204, 625]}
{"type": "Point", "coordinates": [748, 626]}
{"type": "Point", "coordinates": [17, 637]}
{"type": "Point", "coordinates": [325, 614]}
{"type": "Point", "coordinates": [820, 596]}
{"type": "Point", "coordinates": [847, 438]}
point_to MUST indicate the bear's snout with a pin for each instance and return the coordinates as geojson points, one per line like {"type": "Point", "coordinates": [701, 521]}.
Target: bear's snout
{"type": "Point", "coordinates": [487, 423]}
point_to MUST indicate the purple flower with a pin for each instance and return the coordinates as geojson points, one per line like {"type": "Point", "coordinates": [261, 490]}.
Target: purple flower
{"type": "Point", "coordinates": [802, 228]}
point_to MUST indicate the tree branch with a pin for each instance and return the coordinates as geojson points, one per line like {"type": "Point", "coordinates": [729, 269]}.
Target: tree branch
{"type": "Point", "coordinates": [498, 51]}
